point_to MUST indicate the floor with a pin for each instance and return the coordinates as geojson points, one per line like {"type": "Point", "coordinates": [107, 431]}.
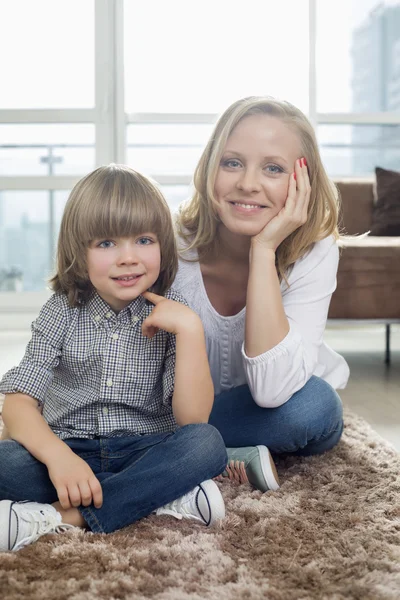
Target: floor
{"type": "Point", "coordinates": [373, 391]}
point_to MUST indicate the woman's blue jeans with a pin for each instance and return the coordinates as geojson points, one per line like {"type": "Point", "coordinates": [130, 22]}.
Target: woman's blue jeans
{"type": "Point", "coordinates": [310, 422]}
{"type": "Point", "coordinates": [138, 474]}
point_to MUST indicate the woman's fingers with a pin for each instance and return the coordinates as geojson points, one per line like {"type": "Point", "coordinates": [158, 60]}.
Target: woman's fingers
{"type": "Point", "coordinates": [303, 189]}
{"type": "Point", "coordinates": [290, 203]}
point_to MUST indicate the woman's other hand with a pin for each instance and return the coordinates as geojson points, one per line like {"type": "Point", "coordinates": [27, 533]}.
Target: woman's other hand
{"type": "Point", "coordinates": [294, 212]}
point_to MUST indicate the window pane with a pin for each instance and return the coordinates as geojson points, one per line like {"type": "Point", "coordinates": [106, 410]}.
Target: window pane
{"type": "Point", "coordinates": [362, 72]}
{"type": "Point", "coordinates": [50, 54]}
{"type": "Point", "coordinates": [29, 224]}
{"type": "Point", "coordinates": [58, 149]}
{"type": "Point", "coordinates": [185, 56]}
{"type": "Point", "coordinates": [355, 150]}
{"type": "Point", "coordinates": [166, 149]}
{"type": "Point", "coordinates": [175, 194]}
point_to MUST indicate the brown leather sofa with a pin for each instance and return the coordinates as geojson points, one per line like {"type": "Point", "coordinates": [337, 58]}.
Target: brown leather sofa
{"type": "Point", "coordinates": [368, 281]}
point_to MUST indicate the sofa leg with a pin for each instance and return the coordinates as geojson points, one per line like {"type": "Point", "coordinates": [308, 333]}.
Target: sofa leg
{"type": "Point", "coordinates": [387, 351]}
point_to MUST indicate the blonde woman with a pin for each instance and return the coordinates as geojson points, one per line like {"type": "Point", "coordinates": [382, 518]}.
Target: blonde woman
{"type": "Point", "coordinates": [258, 263]}
{"type": "Point", "coordinates": [120, 373]}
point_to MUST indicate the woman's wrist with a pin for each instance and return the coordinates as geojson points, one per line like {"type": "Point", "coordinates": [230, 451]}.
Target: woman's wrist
{"type": "Point", "coordinates": [259, 249]}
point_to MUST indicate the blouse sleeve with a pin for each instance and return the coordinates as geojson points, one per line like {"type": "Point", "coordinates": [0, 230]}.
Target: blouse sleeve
{"type": "Point", "coordinates": [273, 377]}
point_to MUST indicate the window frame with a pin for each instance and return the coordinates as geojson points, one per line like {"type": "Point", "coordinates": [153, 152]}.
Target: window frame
{"type": "Point", "coordinates": [111, 121]}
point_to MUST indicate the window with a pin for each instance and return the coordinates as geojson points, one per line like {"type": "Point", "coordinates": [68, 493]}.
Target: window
{"type": "Point", "coordinates": [358, 85]}
{"type": "Point", "coordinates": [88, 83]}
{"type": "Point", "coordinates": [50, 54]}
{"type": "Point", "coordinates": [197, 57]}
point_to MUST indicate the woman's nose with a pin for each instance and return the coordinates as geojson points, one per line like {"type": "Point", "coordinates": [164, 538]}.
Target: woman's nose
{"type": "Point", "coordinates": [249, 181]}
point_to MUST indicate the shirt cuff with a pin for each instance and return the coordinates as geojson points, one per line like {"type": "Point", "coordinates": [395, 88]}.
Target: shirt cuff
{"type": "Point", "coordinates": [27, 379]}
{"type": "Point", "coordinates": [293, 338]}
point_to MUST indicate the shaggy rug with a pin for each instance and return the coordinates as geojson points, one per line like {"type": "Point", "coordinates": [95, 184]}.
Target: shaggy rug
{"type": "Point", "coordinates": [332, 531]}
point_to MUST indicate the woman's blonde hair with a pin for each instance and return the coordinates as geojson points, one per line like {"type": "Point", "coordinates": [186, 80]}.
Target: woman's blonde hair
{"type": "Point", "coordinates": [112, 201]}
{"type": "Point", "coordinates": [198, 220]}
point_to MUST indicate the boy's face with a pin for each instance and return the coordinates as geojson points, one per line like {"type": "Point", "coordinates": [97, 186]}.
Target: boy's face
{"type": "Point", "coordinates": [120, 269]}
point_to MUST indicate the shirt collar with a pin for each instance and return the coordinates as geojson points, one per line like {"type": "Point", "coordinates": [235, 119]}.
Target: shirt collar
{"type": "Point", "coordinates": [99, 310]}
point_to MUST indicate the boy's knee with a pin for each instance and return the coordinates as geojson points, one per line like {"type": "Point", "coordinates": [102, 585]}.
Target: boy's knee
{"type": "Point", "coordinates": [208, 442]}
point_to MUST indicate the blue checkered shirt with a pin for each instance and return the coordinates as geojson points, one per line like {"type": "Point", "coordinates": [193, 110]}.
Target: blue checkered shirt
{"type": "Point", "coordinates": [94, 373]}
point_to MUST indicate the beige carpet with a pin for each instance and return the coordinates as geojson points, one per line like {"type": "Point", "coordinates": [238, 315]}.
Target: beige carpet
{"type": "Point", "coordinates": [332, 531]}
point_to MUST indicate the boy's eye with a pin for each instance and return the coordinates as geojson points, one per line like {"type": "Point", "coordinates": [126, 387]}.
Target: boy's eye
{"type": "Point", "coordinates": [105, 244]}
{"type": "Point", "coordinates": [144, 241]}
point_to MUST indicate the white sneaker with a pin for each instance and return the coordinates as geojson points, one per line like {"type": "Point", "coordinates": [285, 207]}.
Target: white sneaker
{"type": "Point", "coordinates": [204, 503]}
{"type": "Point", "coordinates": [22, 523]}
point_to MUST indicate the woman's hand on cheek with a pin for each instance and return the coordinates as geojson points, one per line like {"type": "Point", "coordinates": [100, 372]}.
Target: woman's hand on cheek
{"type": "Point", "coordinates": [293, 213]}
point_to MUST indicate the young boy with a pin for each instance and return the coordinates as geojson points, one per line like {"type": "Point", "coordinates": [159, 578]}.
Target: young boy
{"type": "Point", "coordinates": [119, 374]}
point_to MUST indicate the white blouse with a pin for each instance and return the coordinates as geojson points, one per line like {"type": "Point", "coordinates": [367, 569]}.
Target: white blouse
{"type": "Point", "coordinates": [278, 373]}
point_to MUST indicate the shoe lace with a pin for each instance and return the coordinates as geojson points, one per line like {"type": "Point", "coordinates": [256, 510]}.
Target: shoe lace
{"type": "Point", "coordinates": [236, 471]}
{"type": "Point", "coordinates": [177, 508]}
{"type": "Point", "coordinates": [41, 523]}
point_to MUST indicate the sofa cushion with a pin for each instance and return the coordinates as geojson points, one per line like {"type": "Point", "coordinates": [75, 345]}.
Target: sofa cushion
{"type": "Point", "coordinates": [368, 279]}
{"type": "Point", "coordinates": [357, 203]}
{"type": "Point", "coordinates": [386, 213]}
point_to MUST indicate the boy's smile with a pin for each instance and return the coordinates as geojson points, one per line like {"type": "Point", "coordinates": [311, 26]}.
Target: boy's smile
{"type": "Point", "coordinates": [120, 269]}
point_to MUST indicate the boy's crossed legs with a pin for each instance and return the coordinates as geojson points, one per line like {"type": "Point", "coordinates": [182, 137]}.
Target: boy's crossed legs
{"type": "Point", "coordinates": [138, 474]}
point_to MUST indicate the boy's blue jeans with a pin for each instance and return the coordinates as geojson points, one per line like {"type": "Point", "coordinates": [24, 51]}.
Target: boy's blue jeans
{"type": "Point", "coordinates": [310, 422]}
{"type": "Point", "coordinates": [138, 474]}
{"type": "Point", "coordinates": [141, 473]}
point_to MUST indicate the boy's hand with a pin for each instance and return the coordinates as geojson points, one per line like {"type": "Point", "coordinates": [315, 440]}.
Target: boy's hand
{"type": "Point", "coordinates": [169, 315]}
{"type": "Point", "coordinates": [74, 480]}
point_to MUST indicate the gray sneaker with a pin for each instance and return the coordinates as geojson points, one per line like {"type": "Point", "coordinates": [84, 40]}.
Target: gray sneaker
{"type": "Point", "coordinates": [22, 523]}
{"type": "Point", "coordinates": [254, 465]}
{"type": "Point", "coordinates": [204, 503]}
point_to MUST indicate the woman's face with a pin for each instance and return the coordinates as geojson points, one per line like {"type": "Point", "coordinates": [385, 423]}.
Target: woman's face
{"type": "Point", "coordinates": [252, 180]}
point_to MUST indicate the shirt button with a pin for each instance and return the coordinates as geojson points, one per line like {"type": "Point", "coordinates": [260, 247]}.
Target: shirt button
{"type": "Point", "coordinates": [135, 319]}
{"type": "Point", "coordinates": [105, 410]}
{"type": "Point", "coordinates": [115, 336]}
{"type": "Point", "coordinates": [97, 318]}
{"type": "Point", "coordinates": [108, 315]}
{"type": "Point", "coordinates": [109, 382]}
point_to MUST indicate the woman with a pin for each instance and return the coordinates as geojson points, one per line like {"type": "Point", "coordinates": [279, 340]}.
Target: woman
{"type": "Point", "coordinates": [258, 264]}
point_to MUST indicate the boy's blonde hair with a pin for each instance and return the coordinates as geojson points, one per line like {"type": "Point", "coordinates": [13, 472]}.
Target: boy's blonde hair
{"type": "Point", "coordinates": [112, 201]}
{"type": "Point", "coordinates": [198, 218]}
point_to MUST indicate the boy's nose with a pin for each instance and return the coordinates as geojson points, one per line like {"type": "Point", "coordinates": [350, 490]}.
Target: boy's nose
{"type": "Point", "coordinates": [127, 255]}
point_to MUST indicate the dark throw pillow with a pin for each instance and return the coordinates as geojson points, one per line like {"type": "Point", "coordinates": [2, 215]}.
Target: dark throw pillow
{"type": "Point", "coordinates": [386, 214]}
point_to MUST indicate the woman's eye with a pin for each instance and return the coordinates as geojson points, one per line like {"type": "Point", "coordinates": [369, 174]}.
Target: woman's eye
{"type": "Point", "coordinates": [274, 169]}
{"type": "Point", "coordinates": [144, 241]}
{"type": "Point", "coordinates": [232, 163]}
{"type": "Point", "coordinates": [106, 244]}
